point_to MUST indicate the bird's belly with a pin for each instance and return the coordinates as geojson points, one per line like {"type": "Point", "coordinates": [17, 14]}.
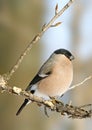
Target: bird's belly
{"type": "Point", "coordinates": [54, 86]}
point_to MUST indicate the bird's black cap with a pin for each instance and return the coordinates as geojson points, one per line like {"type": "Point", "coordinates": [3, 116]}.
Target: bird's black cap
{"type": "Point", "coordinates": [64, 52]}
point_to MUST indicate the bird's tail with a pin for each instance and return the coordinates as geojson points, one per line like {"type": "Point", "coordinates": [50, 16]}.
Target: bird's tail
{"type": "Point", "coordinates": [26, 101]}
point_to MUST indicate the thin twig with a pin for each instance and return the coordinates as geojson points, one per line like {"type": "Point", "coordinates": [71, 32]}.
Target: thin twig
{"type": "Point", "coordinates": [76, 85]}
{"type": "Point", "coordinates": [36, 39]}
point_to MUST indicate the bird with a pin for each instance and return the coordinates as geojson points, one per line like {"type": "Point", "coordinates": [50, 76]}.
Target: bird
{"type": "Point", "coordinates": [53, 78]}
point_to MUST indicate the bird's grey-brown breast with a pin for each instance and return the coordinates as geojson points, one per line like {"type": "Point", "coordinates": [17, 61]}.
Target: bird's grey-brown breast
{"type": "Point", "coordinates": [60, 79]}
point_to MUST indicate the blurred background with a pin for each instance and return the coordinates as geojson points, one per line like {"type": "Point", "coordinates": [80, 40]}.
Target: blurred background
{"type": "Point", "coordinates": [20, 20]}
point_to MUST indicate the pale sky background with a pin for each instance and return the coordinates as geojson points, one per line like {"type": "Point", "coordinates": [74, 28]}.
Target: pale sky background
{"type": "Point", "coordinates": [60, 37]}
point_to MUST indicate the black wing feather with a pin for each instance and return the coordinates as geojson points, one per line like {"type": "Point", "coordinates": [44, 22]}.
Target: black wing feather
{"type": "Point", "coordinates": [36, 79]}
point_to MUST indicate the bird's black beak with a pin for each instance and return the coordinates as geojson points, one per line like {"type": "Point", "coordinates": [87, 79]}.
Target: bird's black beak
{"type": "Point", "coordinates": [72, 57]}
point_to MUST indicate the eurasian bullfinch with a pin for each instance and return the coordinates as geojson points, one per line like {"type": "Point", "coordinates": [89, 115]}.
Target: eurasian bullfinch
{"type": "Point", "coordinates": [54, 77]}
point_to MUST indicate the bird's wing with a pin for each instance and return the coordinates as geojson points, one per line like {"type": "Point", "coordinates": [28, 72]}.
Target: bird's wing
{"type": "Point", "coordinates": [35, 80]}
{"type": "Point", "coordinates": [44, 72]}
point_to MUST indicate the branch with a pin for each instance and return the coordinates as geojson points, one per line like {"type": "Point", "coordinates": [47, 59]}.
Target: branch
{"type": "Point", "coordinates": [53, 104]}
{"type": "Point", "coordinates": [82, 82]}
{"type": "Point", "coordinates": [38, 37]}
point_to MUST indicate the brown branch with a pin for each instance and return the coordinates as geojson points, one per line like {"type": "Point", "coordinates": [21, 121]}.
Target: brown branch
{"type": "Point", "coordinates": [37, 38]}
{"type": "Point", "coordinates": [53, 104]}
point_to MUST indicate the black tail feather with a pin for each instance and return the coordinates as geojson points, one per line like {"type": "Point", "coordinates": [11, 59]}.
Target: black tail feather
{"type": "Point", "coordinates": [22, 106]}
